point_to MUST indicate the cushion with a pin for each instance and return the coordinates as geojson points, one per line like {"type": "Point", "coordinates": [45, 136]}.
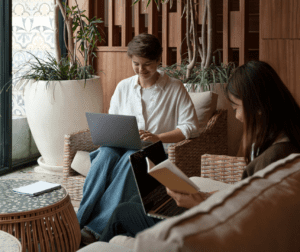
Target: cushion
{"type": "Point", "coordinates": [81, 162]}
{"type": "Point", "coordinates": [104, 247]}
{"type": "Point", "coordinates": [260, 213]}
{"type": "Point", "coordinates": [205, 105]}
{"type": "Point", "coordinates": [123, 240]}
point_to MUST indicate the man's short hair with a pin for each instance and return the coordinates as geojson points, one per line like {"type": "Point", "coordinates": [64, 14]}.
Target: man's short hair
{"type": "Point", "coordinates": [146, 46]}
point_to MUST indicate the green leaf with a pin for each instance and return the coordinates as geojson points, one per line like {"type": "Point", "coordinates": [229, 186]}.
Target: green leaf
{"type": "Point", "coordinates": [149, 1]}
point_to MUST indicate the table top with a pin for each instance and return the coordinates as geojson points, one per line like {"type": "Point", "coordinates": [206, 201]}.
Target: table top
{"type": "Point", "coordinates": [9, 243]}
{"type": "Point", "coordinates": [12, 202]}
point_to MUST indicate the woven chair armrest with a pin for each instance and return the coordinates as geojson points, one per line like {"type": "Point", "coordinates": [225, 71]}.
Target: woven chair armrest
{"type": "Point", "coordinates": [77, 141]}
{"type": "Point", "coordinates": [222, 168]}
{"type": "Point", "coordinates": [187, 154]}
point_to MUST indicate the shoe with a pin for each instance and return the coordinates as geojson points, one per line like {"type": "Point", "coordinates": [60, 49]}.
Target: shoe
{"type": "Point", "coordinates": [87, 236]}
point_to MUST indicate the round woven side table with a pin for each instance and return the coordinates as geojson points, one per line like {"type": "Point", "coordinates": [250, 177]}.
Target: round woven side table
{"type": "Point", "coordinates": [46, 222]}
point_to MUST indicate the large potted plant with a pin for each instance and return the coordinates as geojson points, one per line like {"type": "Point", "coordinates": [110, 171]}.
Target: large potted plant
{"type": "Point", "coordinates": [59, 91]}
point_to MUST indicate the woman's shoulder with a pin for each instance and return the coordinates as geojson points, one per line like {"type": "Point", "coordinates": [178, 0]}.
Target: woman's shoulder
{"type": "Point", "coordinates": [275, 152]}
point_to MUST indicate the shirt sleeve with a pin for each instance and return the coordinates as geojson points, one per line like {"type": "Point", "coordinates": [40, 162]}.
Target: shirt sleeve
{"type": "Point", "coordinates": [115, 102]}
{"type": "Point", "coordinates": [187, 118]}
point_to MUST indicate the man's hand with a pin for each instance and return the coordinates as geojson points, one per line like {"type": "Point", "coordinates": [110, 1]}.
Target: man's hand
{"type": "Point", "coordinates": [187, 200]}
{"type": "Point", "coordinates": [147, 136]}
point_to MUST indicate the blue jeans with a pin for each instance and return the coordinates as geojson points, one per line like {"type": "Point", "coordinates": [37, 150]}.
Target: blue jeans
{"type": "Point", "coordinates": [109, 182]}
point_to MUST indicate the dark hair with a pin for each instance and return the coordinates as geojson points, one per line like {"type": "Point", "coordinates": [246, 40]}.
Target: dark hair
{"type": "Point", "coordinates": [268, 106]}
{"type": "Point", "coordinates": [146, 46]}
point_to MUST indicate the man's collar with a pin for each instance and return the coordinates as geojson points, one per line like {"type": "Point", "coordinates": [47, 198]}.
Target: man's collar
{"type": "Point", "coordinates": [161, 82]}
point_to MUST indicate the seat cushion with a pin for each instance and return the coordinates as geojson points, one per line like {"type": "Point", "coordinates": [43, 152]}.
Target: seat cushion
{"type": "Point", "coordinates": [104, 247]}
{"type": "Point", "coordinates": [260, 213]}
{"type": "Point", "coordinates": [124, 241]}
{"type": "Point", "coordinates": [205, 105]}
{"type": "Point", "coordinates": [81, 162]}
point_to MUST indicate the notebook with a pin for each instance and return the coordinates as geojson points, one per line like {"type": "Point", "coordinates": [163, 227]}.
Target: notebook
{"type": "Point", "coordinates": [37, 188]}
{"type": "Point", "coordinates": [155, 200]}
{"type": "Point", "coordinates": [115, 131]}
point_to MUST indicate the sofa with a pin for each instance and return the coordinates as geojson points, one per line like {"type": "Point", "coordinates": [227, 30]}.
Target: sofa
{"type": "Point", "coordinates": [260, 213]}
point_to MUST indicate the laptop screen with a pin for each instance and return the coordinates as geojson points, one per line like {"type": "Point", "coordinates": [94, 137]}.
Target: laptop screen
{"type": "Point", "coordinates": [146, 183]}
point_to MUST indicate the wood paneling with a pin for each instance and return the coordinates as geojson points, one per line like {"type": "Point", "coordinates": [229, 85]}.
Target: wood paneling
{"type": "Point", "coordinates": [165, 35]}
{"type": "Point", "coordinates": [244, 30]}
{"type": "Point", "coordinates": [126, 15]}
{"type": "Point", "coordinates": [281, 19]}
{"type": "Point", "coordinates": [139, 20]}
{"type": "Point", "coordinates": [227, 53]}
{"type": "Point", "coordinates": [116, 66]}
{"type": "Point", "coordinates": [174, 30]}
{"type": "Point", "coordinates": [235, 29]}
{"type": "Point", "coordinates": [283, 56]}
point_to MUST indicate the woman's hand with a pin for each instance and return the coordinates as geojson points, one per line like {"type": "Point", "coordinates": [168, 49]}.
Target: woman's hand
{"type": "Point", "coordinates": [187, 200]}
{"type": "Point", "coordinates": [147, 136]}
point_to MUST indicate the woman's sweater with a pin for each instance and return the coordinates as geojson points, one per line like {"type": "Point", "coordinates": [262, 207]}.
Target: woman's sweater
{"type": "Point", "coordinates": [272, 154]}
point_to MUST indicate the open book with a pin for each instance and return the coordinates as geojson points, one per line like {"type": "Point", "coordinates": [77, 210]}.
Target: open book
{"type": "Point", "coordinates": [172, 177]}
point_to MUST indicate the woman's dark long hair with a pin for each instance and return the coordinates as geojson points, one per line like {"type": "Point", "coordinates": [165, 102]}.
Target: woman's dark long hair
{"type": "Point", "coordinates": [269, 107]}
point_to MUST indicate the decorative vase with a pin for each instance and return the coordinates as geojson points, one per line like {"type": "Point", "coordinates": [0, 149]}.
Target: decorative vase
{"type": "Point", "coordinates": [57, 110]}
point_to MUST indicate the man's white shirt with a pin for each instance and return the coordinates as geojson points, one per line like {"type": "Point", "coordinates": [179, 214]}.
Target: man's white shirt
{"type": "Point", "coordinates": [167, 106]}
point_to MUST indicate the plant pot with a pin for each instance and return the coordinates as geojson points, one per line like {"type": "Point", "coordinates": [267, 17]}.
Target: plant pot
{"type": "Point", "coordinates": [194, 88]}
{"type": "Point", "coordinates": [58, 110]}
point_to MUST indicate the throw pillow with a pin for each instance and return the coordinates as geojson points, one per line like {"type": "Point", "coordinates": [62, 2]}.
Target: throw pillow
{"type": "Point", "coordinates": [81, 162]}
{"type": "Point", "coordinates": [260, 213]}
{"type": "Point", "coordinates": [205, 105]}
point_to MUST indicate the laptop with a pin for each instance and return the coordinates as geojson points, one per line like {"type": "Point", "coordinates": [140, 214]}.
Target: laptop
{"type": "Point", "coordinates": [155, 200]}
{"type": "Point", "coordinates": [115, 131]}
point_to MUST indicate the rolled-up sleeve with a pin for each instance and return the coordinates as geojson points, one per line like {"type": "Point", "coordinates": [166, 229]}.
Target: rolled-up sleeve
{"type": "Point", "coordinates": [187, 118]}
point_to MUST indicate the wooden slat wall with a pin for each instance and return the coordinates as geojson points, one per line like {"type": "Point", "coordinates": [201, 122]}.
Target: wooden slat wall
{"type": "Point", "coordinates": [120, 30]}
{"type": "Point", "coordinates": [280, 40]}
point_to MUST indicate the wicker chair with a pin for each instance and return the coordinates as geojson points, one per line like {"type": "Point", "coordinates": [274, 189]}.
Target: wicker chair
{"type": "Point", "coordinates": [185, 154]}
{"type": "Point", "coordinates": [222, 168]}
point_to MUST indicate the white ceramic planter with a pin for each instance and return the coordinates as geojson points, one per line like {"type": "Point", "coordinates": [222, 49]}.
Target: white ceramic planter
{"type": "Point", "coordinates": [59, 110]}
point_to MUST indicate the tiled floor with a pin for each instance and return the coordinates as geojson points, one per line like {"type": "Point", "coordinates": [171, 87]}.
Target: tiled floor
{"type": "Point", "coordinates": [29, 173]}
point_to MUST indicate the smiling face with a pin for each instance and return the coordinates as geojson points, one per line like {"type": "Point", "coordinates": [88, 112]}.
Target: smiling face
{"type": "Point", "coordinates": [144, 68]}
{"type": "Point", "coordinates": [237, 106]}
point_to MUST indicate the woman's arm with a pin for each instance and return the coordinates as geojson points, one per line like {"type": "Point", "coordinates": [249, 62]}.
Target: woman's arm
{"type": "Point", "coordinates": [188, 200]}
{"type": "Point", "coordinates": [173, 136]}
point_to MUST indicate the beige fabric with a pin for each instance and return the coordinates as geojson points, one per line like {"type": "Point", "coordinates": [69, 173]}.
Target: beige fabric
{"type": "Point", "coordinates": [9, 243]}
{"type": "Point", "coordinates": [260, 213]}
{"type": "Point", "coordinates": [205, 105]}
{"type": "Point", "coordinates": [104, 247]}
{"type": "Point", "coordinates": [122, 240]}
{"type": "Point", "coordinates": [81, 162]}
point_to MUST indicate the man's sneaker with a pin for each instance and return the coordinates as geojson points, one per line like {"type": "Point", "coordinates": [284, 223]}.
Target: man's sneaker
{"type": "Point", "coordinates": [87, 236]}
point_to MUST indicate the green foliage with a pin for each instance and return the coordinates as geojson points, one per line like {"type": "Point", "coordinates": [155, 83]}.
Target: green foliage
{"type": "Point", "coordinates": [87, 33]}
{"type": "Point", "coordinates": [50, 70]}
{"type": "Point", "coordinates": [200, 77]}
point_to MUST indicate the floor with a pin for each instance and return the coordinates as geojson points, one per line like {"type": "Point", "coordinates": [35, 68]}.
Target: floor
{"type": "Point", "coordinates": [29, 173]}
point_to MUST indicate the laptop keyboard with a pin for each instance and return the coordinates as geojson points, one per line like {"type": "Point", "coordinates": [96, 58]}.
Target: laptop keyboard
{"type": "Point", "coordinates": [154, 200]}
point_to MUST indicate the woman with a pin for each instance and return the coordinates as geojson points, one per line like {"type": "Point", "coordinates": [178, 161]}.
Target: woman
{"type": "Point", "coordinates": [271, 121]}
{"type": "Point", "coordinates": [164, 111]}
